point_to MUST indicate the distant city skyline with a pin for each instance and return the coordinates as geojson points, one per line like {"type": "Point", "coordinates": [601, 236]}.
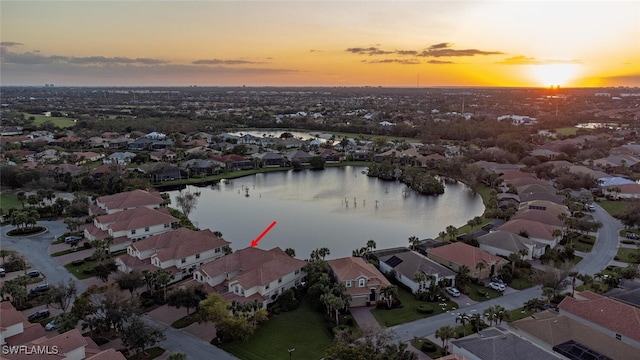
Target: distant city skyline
{"type": "Point", "coordinates": [320, 43]}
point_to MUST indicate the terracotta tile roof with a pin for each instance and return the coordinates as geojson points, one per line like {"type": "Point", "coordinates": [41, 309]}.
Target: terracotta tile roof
{"type": "Point", "coordinates": [10, 316]}
{"type": "Point", "coordinates": [96, 232]}
{"type": "Point", "coordinates": [611, 314]}
{"type": "Point", "coordinates": [256, 266]}
{"type": "Point", "coordinates": [463, 254]}
{"type": "Point", "coordinates": [180, 243]}
{"type": "Point", "coordinates": [535, 229]}
{"type": "Point", "coordinates": [109, 354]}
{"type": "Point", "coordinates": [135, 219]}
{"type": "Point", "coordinates": [133, 262]}
{"type": "Point", "coordinates": [553, 329]}
{"type": "Point", "coordinates": [545, 217]}
{"type": "Point", "coordinates": [31, 332]}
{"type": "Point", "coordinates": [516, 174]}
{"type": "Point", "coordinates": [353, 268]}
{"type": "Point", "coordinates": [628, 188]}
{"type": "Point", "coordinates": [555, 208]}
{"type": "Point", "coordinates": [130, 199]}
{"type": "Point", "coordinates": [65, 342]}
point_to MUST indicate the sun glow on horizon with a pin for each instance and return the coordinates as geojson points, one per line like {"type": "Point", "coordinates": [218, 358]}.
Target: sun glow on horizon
{"type": "Point", "coordinates": [555, 74]}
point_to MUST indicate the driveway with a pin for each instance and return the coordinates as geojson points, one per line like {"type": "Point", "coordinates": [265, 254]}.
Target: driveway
{"type": "Point", "coordinates": [364, 317]}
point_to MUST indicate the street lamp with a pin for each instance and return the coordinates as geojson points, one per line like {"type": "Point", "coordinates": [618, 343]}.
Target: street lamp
{"type": "Point", "coordinates": [290, 352]}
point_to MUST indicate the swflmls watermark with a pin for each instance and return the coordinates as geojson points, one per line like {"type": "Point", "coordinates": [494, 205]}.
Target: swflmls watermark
{"type": "Point", "coordinates": [30, 350]}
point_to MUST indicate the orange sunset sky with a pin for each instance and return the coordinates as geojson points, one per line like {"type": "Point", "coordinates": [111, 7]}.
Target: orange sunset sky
{"type": "Point", "coordinates": [320, 43]}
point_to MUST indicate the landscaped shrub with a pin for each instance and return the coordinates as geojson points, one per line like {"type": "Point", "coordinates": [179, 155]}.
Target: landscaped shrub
{"type": "Point", "coordinates": [77, 262]}
{"type": "Point", "coordinates": [99, 340]}
{"type": "Point", "coordinates": [425, 309]}
{"type": "Point", "coordinates": [147, 302]}
{"type": "Point", "coordinates": [24, 307]}
{"type": "Point", "coordinates": [483, 293]}
{"type": "Point", "coordinates": [86, 245]}
{"type": "Point", "coordinates": [428, 347]}
{"type": "Point", "coordinates": [628, 242]}
{"type": "Point", "coordinates": [87, 271]}
{"type": "Point", "coordinates": [586, 240]}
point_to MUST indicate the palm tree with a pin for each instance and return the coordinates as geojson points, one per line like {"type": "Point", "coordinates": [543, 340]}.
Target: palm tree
{"type": "Point", "coordinates": [490, 313]}
{"type": "Point", "coordinates": [463, 319]}
{"type": "Point", "coordinates": [452, 231]}
{"type": "Point", "coordinates": [463, 275]}
{"type": "Point", "coordinates": [22, 197]}
{"type": "Point", "coordinates": [371, 244]}
{"type": "Point", "coordinates": [323, 252]}
{"type": "Point", "coordinates": [513, 257]}
{"type": "Point", "coordinates": [533, 304]}
{"type": "Point", "coordinates": [549, 293]}
{"type": "Point", "coordinates": [389, 292]}
{"type": "Point", "coordinates": [420, 278]}
{"type": "Point", "coordinates": [290, 251]}
{"type": "Point", "coordinates": [414, 242]}
{"type": "Point", "coordinates": [442, 235]}
{"type": "Point", "coordinates": [476, 320]}
{"type": "Point", "coordinates": [501, 313]}
{"type": "Point", "coordinates": [445, 333]}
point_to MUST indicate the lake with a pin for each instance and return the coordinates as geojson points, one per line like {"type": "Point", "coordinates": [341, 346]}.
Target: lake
{"type": "Point", "coordinates": [339, 208]}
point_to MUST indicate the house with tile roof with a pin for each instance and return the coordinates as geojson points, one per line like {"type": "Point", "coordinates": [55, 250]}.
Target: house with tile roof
{"type": "Point", "coordinates": [612, 317]}
{"type": "Point", "coordinates": [363, 281]}
{"type": "Point", "coordinates": [554, 331]}
{"type": "Point", "coordinates": [110, 204]}
{"type": "Point", "coordinates": [457, 254]}
{"type": "Point", "coordinates": [129, 225]}
{"type": "Point", "coordinates": [505, 243]}
{"type": "Point", "coordinates": [11, 321]}
{"type": "Point", "coordinates": [537, 231]}
{"type": "Point", "coordinates": [179, 251]}
{"type": "Point", "coordinates": [406, 264]}
{"type": "Point", "coordinates": [498, 343]}
{"type": "Point", "coordinates": [252, 274]}
{"type": "Point", "coordinates": [625, 191]}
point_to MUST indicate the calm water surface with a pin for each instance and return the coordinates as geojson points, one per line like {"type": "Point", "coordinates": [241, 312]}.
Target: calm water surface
{"type": "Point", "coordinates": [334, 208]}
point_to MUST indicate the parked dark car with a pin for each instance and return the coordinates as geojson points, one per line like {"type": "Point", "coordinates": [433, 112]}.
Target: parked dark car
{"type": "Point", "coordinates": [632, 235]}
{"type": "Point", "coordinates": [72, 239]}
{"type": "Point", "coordinates": [33, 273]}
{"type": "Point", "coordinates": [40, 314]}
{"type": "Point", "coordinates": [39, 288]}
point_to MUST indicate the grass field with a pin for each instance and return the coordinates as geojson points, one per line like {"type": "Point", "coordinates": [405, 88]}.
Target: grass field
{"type": "Point", "coordinates": [9, 200]}
{"type": "Point", "coordinates": [475, 294]}
{"type": "Point", "coordinates": [61, 122]}
{"type": "Point", "coordinates": [626, 255]}
{"type": "Point", "coordinates": [409, 312]}
{"type": "Point", "coordinates": [303, 330]}
{"type": "Point", "coordinates": [613, 207]}
{"type": "Point", "coordinates": [417, 343]}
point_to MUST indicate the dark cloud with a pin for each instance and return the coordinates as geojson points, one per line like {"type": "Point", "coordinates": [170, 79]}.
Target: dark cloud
{"type": "Point", "coordinates": [440, 46]}
{"type": "Point", "coordinates": [368, 51]}
{"type": "Point", "coordinates": [524, 60]}
{"type": "Point", "coordinates": [439, 62]}
{"type": "Point", "coordinates": [224, 62]}
{"type": "Point", "coordinates": [456, 53]}
{"type": "Point", "coordinates": [407, 52]}
{"type": "Point", "coordinates": [393, 61]}
{"type": "Point", "coordinates": [31, 58]}
{"type": "Point", "coordinates": [102, 60]}
{"type": "Point", "coordinates": [10, 43]}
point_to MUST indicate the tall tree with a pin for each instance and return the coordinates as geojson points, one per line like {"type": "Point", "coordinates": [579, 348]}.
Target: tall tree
{"type": "Point", "coordinates": [187, 202]}
{"type": "Point", "coordinates": [445, 333]}
{"type": "Point", "coordinates": [414, 242]}
{"type": "Point", "coordinates": [463, 319]}
{"type": "Point", "coordinates": [130, 281]}
{"type": "Point", "coordinates": [62, 295]}
{"type": "Point", "coordinates": [139, 336]}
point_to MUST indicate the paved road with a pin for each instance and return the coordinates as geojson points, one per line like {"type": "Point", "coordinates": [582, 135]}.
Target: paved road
{"type": "Point", "coordinates": [606, 245]}
{"type": "Point", "coordinates": [600, 256]}
{"type": "Point", "coordinates": [35, 250]}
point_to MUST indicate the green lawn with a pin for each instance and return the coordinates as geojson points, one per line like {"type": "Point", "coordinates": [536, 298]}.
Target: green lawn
{"type": "Point", "coordinates": [613, 207]}
{"type": "Point", "coordinates": [9, 200]}
{"type": "Point", "coordinates": [303, 330]}
{"type": "Point", "coordinates": [183, 322]}
{"type": "Point", "coordinates": [61, 122]}
{"type": "Point", "coordinates": [584, 247]}
{"type": "Point", "coordinates": [475, 295]}
{"type": "Point", "coordinates": [409, 312]}
{"type": "Point", "coordinates": [78, 271]}
{"type": "Point", "coordinates": [148, 354]}
{"type": "Point", "coordinates": [524, 281]}
{"type": "Point", "coordinates": [65, 252]}
{"type": "Point", "coordinates": [519, 313]}
{"type": "Point", "coordinates": [625, 255]}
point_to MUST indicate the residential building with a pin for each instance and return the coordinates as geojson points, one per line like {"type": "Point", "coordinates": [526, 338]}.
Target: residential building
{"type": "Point", "coordinates": [457, 254]}
{"type": "Point", "coordinates": [129, 225]}
{"type": "Point", "coordinates": [609, 316]}
{"type": "Point", "coordinates": [562, 334]}
{"type": "Point", "coordinates": [534, 230]}
{"type": "Point", "coordinates": [179, 251]}
{"type": "Point", "coordinates": [128, 200]}
{"type": "Point", "coordinates": [498, 343]}
{"type": "Point", "coordinates": [406, 264]}
{"type": "Point", "coordinates": [506, 243]}
{"type": "Point", "coordinates": [252, 274]}
{"type": "Point", "coordinates": [363, 281]}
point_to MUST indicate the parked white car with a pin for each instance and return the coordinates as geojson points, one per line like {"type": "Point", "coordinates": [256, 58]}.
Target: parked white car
{"type": "Point", "coordinates": [497, 286]}
{"type": "Point", "coordinates": [452, 291]}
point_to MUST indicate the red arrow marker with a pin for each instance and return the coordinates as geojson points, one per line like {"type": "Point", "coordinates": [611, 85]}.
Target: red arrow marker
{"type": "Point", "coordinates": [255, 242]}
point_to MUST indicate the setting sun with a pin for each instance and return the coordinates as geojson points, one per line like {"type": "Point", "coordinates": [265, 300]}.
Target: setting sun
{"type": "Point", "coordinates": [555, 74]}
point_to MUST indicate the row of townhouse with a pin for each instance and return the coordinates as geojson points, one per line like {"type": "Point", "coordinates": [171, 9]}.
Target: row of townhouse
{"type": "Point", "coordinates": [23, 340]}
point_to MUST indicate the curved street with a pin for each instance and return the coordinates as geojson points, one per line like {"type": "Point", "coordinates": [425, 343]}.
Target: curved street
{"type": "Point", "coordinates": [603, 252]}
